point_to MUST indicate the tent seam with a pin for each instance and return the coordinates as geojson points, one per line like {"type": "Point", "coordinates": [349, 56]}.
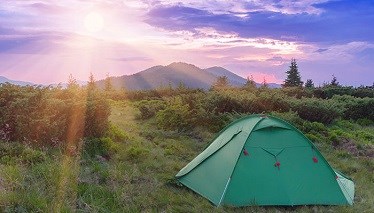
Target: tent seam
{"type": "Point", "coordinates": [236, 162]}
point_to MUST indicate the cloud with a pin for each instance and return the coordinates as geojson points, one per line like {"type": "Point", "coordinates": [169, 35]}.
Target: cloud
{"type": "Point", "coordinates": [335, 24]}
{"type": "Point", "coordinates": [241, 8]}
{"type": "Point", "coordinates": [44, 8]}
{"type": "Point", "coordinates": [321, 50]}
{"type": "Point", "coordinates": [135, 58]}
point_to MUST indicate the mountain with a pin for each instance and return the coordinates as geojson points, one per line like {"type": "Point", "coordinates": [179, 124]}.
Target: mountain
{"type": "Point", "coordinates": [20, 83]}
{"type": "Point", "coordinates": [173, 74]}
{"type": "Point", "coordinates": [272, 85]}
{"type": "Point", "coordinates": [157, 76]}
{"type": "Point", "coordinates": [65, 85]}
{"type": "Point", "coordinates": [234, 79]}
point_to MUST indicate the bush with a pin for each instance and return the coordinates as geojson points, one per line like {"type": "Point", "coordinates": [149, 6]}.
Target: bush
{"type": "Point", "coordinates": [312, 109]}
{"type": "Point", "coordinates": [45, 115]}
{"type": "Point", "coordinates": [360, 109]}
{"type": "Point", "coordinates": [149, 108]}
{"type": "Point", "coordinates": [314, 127]}
{"type": "Point", "coordinates": [30, 156]}
{"type": "Point", "coordinates": [116, 134]}
{"type": "Point", "coordinates": [97, 114]}
{"type": "Point", "coordinates": [98, 146]}
{"type": "Point", "coordinates": [290, 117]}
{"type": "Point", "coordinates": [219, 102]}
{"type": "Point", "coordinates": [14, 152]}
{"type": "Point", "coordinates": [175, 116]}
{"type": "Point", "coordinates": [136, 152]}
{"type": "Point", "coordinates": [365, 122]}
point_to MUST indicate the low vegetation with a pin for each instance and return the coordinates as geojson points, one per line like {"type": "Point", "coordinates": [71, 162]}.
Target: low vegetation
{"type": "Point", "coordinates": [87, 150]}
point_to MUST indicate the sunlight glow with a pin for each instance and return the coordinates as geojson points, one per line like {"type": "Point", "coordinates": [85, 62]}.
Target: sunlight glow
{"type": "Point", "coordinates": [94, 22]}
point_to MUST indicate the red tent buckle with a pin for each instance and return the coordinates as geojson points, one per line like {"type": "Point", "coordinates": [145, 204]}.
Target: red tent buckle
{"type": "Point", "coordinates": [315, 160]}
{"type": "Point", "coordinates": [245, 152]}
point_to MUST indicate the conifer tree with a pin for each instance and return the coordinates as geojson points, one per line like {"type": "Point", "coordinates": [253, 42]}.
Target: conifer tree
{"type": "Point", "coordinates": [334, 81]}
{"type": "Point", "coordinates": [250, 83]}
{"type": "Point", "coordinates": [91, 85]}
{"type": "Point", "coordinates": [221, 83]}
{"type": "Point", "coordinates": [264, 84]}
{"type": "Point", "coordinates": [309, 84]}
{"type": "Point", "coordinates": [108, 83]}
{"type": "Point", "coordinates": [72, 82]}
{"type": "Point", "coordinates": [293, 76]}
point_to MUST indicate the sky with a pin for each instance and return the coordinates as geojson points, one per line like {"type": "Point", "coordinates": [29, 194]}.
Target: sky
{"type": "Point", "coordinates": [45, 41]}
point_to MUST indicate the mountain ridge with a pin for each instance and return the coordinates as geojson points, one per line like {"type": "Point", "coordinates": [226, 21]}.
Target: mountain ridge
{"type": "Point", "coordinates": [15, 82]}
{"type": "Point", "coordinates": [160, 76]}
{"type": "Point", "coordinates": [174, 74]}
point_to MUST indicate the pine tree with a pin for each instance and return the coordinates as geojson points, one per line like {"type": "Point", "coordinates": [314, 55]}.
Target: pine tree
{"type": "Point", "coordinates": [309, 84]}
{"type": "Point", "coordinates": [293, 76]}
{"type": "Point", "coordinates": [251, 84]}
{"type": "Point", "coordinates": [264, 84]}
{"type": "Point", "coordinates": [334, 81]}
{"type": "Point", "coordinates": [91, 85]}
{"type": "Point", "coordinates": [108, 83]}
{"type": "Point", "coordinates": [181, 86]}
{"type": "Point", "coordinates": [221, 83]}
{"type": "Point", "coordinates": [72, 82]}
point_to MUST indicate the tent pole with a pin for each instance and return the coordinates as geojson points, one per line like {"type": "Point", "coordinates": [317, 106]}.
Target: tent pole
{"type": "Point", "coordinates": [224, 192]}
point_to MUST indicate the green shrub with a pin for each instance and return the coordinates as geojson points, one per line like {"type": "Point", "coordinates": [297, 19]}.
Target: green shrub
{"type": "Point", "coordinates": [46, 115]}
{"type": "Point", "coordinates": [360, 109]}
{"type": "Point", "coordinates": [312, 109]}
{"type": "Point", "coordinates": [219, 102]}
{"type": "Point", "coordinates": [175, 116]}
{"type": "Point", "coordinates": [312, 137]}
{"type": "Point", "coordinates": [149, 108]}
{"type": "Point", "coordinates": [116, 134]}
{"type": "Point", "coordinates": [290, 117]}
{"type": "Point", "coordinates": [14, 152]}
{"type": "Point", "coordinates": [334, 138]}
{"type": "Point", "coordinates": [96, 117]}
{"type": "Point", "coordinates": [137, 152]}
{"type": "Point", "coordinates": [314, 127]}
{"type": "Point", "coordinates": [98, 146]}
{"type": "Point", "coordinates": [365, 122]}
{"type": "Point", "coordinates": [31, 156]}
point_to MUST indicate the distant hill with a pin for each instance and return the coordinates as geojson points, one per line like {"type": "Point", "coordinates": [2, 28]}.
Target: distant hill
{"type": "Point", "coordinates": [20, 83]}
{"type": "Point", "coordinates": [157, 76]}
{"type": "Point", "coordinates": [234, 79]}
{"type": "Point", "coordinates": [173, 74]}
{"type": "Point", "coordinates": [65, 85]}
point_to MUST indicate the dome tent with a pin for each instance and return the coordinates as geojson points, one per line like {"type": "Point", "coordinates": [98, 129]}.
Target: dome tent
{"type": "Point", "coordinates": [263, 160]}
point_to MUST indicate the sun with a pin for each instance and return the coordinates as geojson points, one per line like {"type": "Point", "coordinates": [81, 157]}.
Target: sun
{"type": "Point", "coordinates": [94, 22]}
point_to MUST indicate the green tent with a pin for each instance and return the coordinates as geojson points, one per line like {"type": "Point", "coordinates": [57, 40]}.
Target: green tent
{"type": "Point", "coordinates": [263, 160]}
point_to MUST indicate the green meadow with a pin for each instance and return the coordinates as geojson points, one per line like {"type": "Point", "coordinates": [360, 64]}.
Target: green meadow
{"type": "Point", "coordinates": [87, 150]}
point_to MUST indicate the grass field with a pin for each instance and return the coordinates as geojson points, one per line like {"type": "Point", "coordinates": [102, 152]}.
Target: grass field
{"type": "Point", "coordinates": [137, 175]}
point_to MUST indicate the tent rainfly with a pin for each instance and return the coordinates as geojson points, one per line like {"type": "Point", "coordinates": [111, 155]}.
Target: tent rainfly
{"type": "Point", "coordinates": [263, 160]}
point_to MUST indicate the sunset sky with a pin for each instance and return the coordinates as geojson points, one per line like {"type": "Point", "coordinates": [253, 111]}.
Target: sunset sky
{"type": "Point", "coordinates": [45, 41]}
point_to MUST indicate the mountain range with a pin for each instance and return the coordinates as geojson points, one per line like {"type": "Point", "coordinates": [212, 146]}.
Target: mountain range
{"type": "Point", "coordinates": [173, 74]}
{"type": "Point", "coordinates": [20, 83]}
